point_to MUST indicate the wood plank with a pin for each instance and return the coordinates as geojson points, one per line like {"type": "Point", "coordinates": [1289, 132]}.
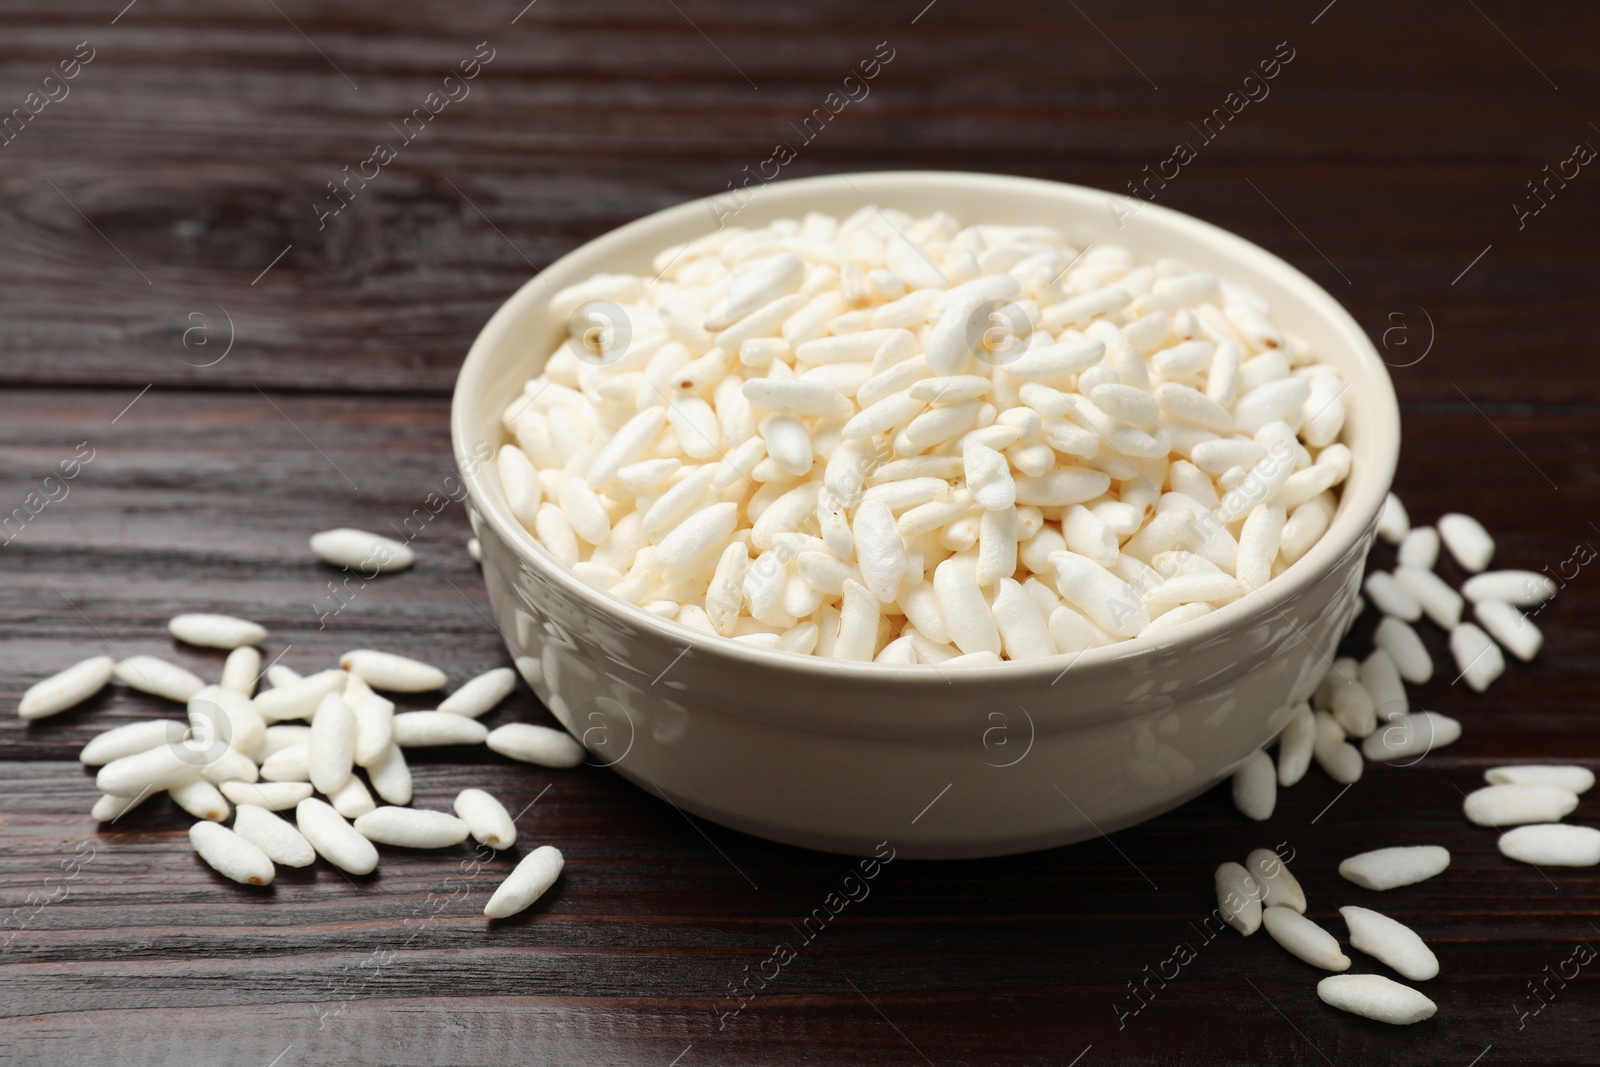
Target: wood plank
{"type": "Point", "coordinates": [551, 150]}
{"type": "Point", "coordinates": [638, 945]}
{"type": "Point", "coordinates": [649, 926]}
{"type": "Point", "coordinates": [180, 175]}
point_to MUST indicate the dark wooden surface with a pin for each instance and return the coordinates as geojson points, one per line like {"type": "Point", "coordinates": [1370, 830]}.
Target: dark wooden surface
{"type": "Point", "coordinates": [188, 156]}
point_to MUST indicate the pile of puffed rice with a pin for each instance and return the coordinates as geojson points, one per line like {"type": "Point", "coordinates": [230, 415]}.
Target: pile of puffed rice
{"type": "Point", "coordinates": [1366, 700]}
{"type": "Point", "coordinates": [277, 749]}
{"type": "Point", "coordinates": [906, 441]}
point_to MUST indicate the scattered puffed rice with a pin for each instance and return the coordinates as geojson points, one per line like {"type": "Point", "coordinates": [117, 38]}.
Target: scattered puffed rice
{"type": "Point", "coordinates": [1420, 548]}
{"type": "Point", "coordinates": [423, 729]}
{"type": "Point", "coordinates": [109, 808]}
{"type": "Point", "coordinates": [352, 799]}
{"type": "Point", "coordinates": [70, 687]}
{"type": "Point", "coordinates": [1375, 997]}
{"type": "Point", "coordinates": [536, 744]}
{"type": "Point", "coordinates": [390, 776]}
{"type": "Point", "coordinates": [1410, 655]}
{"type": "Point", "coordinates": [216, 631]}
{"type": "Point", "coordinates": [1339, 759]}
{"type": "Point", "coordinates": [1282, 888]}
{"type": "Point", "coordinates": [157, 677]}
{"type": "Point", "coordinates": [292, 764]}
{"type": "Point", "coordinates": [397, 674]}
{"type": "Point", "coordinates": [412, 828]}
{"type": "Point", "coordinates": [133, 738]}
{"type": "Point", "coordinates": [1389, 597]}
{"type": "Point", "coordinates": [229, 766]}
{"type": "Point", "coordinates": [279, 675]}
{"type": "Point", "coordinates": [1523, 589]}
{"type": "Point", "coordinates": [1469, 543]}
{"type": "Point", "coordinates": [1380, 677]}
{"type": "Point", "coordinates": [152, 770]}
{"type": "Point", "coordinates": [225, 715]}
{"type": "Point", "coordinates": [1255, 787]}
{"type": "Point", "coordinates": [334, 839]}
{"type": "Point", "coordinates": [231, 855]}
{"type": "Point", "coordinates": [281, 842]}
{"type": "Point", "coordinates": [487, 818]}
{"type": "Point", "coordinates": [1239, 898]}
{"type": "Point", "coordinates": [1348, 700]}
{"type": "Point", "coordinates": [1512, 805]}
{"type": "Point", "coordinates": [299, 699]}
{"type": "Point", "coordinates": [1390, 942]}
{"type": "Point", "coordinates": [1552, 845]}
{"type": "Point", "coordinates": [1411, 735]}
{"type": "Point", "coordinates": [481, 694]}
{"type": "Point", "coordinates": [1477, 657]}
{"type": "Point", "coordinates": [282, 736]}
{"type": "Point", "coordinates": [330, 752]}
{"type": "Point", "coordinates": [374, 728]}
{"type": "Point", "coordinates": [1441, 603]}
{"type": "Point", "coordinates": [200, 798]}
{"type": "Point", "coordinates": [1572, 778]}
{"type": "Point", "coordinates": [1295, 746]}
{"type": "Point", "coordinates": [1390, 868]}
{"type": "Point", "coordinates": [273, 796]}
{"type": "Point", "coordinates": [1510, 627]}
{"type": "Point", "coordinates": [356, 691]}
{"type": "Point", "coordinates": [1393, 522]}
{"type": "Point", "coordinates": [1304, 938]}
{"type": "Point", "coordinates": [241, 670]}
{"type": "Point", "coordinates": [360, 550]}
{"type": "Point", "coordinates": [530, 880]}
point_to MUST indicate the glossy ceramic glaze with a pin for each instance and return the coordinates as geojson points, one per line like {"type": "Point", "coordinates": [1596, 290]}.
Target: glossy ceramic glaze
{"type": "Point", "coordinates": [976, 762]}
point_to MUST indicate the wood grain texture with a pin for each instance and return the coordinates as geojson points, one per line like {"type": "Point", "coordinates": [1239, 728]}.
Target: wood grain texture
{"type": "Point", "coordinates": [189, 155]}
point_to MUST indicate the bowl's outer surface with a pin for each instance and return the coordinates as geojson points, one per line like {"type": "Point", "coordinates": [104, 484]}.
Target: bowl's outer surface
{"type": "Point", "coordinates": [961, 763]}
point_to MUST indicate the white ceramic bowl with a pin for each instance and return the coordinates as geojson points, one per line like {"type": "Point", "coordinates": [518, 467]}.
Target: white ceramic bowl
{"type": "Point", "coordinates": [978, 762]}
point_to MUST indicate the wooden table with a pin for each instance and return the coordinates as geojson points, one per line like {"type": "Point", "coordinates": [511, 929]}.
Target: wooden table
{"type": "Point", "coordinates": [246, 368]}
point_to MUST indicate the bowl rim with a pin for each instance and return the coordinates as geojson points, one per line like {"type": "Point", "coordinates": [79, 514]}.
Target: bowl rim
{"type": "Point", "coordinates": [1353, 519]}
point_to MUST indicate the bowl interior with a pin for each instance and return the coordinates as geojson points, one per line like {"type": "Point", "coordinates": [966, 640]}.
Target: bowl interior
{"type": "Point", "coordinates": [522, 333]}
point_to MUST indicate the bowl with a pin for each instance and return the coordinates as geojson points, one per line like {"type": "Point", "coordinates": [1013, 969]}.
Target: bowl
{"type": "Point", "coordinates": [984, 761]}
